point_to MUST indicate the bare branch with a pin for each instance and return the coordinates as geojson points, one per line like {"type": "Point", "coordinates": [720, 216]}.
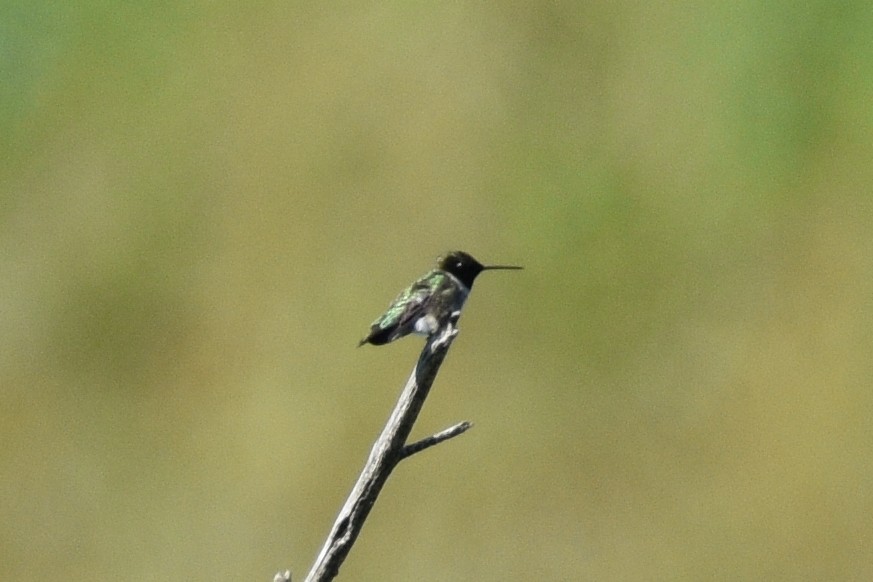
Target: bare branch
{"type": "Point", "coordinates": [389, 449]}
{"type": "Point", "coordinates": [436, 439]}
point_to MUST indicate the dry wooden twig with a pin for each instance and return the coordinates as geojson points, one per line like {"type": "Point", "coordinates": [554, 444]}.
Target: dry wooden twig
{"type": "Point", "coordinates": [389, 449]}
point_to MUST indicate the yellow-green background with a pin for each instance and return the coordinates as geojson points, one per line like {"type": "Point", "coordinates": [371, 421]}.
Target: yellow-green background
{"type": "Point", "coordinates": [204, 205]}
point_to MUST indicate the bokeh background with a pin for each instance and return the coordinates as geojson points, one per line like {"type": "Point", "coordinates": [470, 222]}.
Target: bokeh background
{"type": "Point", "coordinates": [204, 205]}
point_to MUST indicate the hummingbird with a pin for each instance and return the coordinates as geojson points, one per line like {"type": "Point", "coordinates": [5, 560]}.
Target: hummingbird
{"type": "Point", "coordinates": [427, 305]}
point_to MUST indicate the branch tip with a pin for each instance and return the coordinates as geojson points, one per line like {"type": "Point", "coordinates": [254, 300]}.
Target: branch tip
{"type": "Point", "coordinates": [436, 439]}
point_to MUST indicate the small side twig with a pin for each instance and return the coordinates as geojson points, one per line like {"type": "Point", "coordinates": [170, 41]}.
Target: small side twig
{"type": "Point", "coordinates": [388, 450]}
{"type": "Point", "coordinates": [436, 439]}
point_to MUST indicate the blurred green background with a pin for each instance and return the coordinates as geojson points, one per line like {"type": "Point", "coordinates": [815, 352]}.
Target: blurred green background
{"type": "Point", "coordinates": [205, 204]}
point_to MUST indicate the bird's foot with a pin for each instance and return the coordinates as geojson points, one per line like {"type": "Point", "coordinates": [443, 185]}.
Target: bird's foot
{"type": "Point", "coordinates": [447, 333]}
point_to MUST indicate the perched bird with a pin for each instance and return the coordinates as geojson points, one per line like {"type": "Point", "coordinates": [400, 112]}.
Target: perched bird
{"type": "Point", "coordinates": [426, 306]}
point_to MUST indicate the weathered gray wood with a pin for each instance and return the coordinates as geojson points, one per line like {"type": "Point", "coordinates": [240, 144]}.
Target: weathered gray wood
{"type": "Point", "coordinates": [389, 449]}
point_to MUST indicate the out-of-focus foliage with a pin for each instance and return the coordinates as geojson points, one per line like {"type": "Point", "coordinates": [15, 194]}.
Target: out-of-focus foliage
{"type": "Point", "coordinates": [205, 204]}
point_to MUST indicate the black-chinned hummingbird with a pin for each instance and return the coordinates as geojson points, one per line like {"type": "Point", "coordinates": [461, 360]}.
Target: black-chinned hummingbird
{"type": "Point", "coordinates": [427, 305]}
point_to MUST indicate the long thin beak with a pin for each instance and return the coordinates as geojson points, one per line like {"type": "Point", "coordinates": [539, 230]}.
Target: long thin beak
{"type": "Point", "coordinates": [504, 267]}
